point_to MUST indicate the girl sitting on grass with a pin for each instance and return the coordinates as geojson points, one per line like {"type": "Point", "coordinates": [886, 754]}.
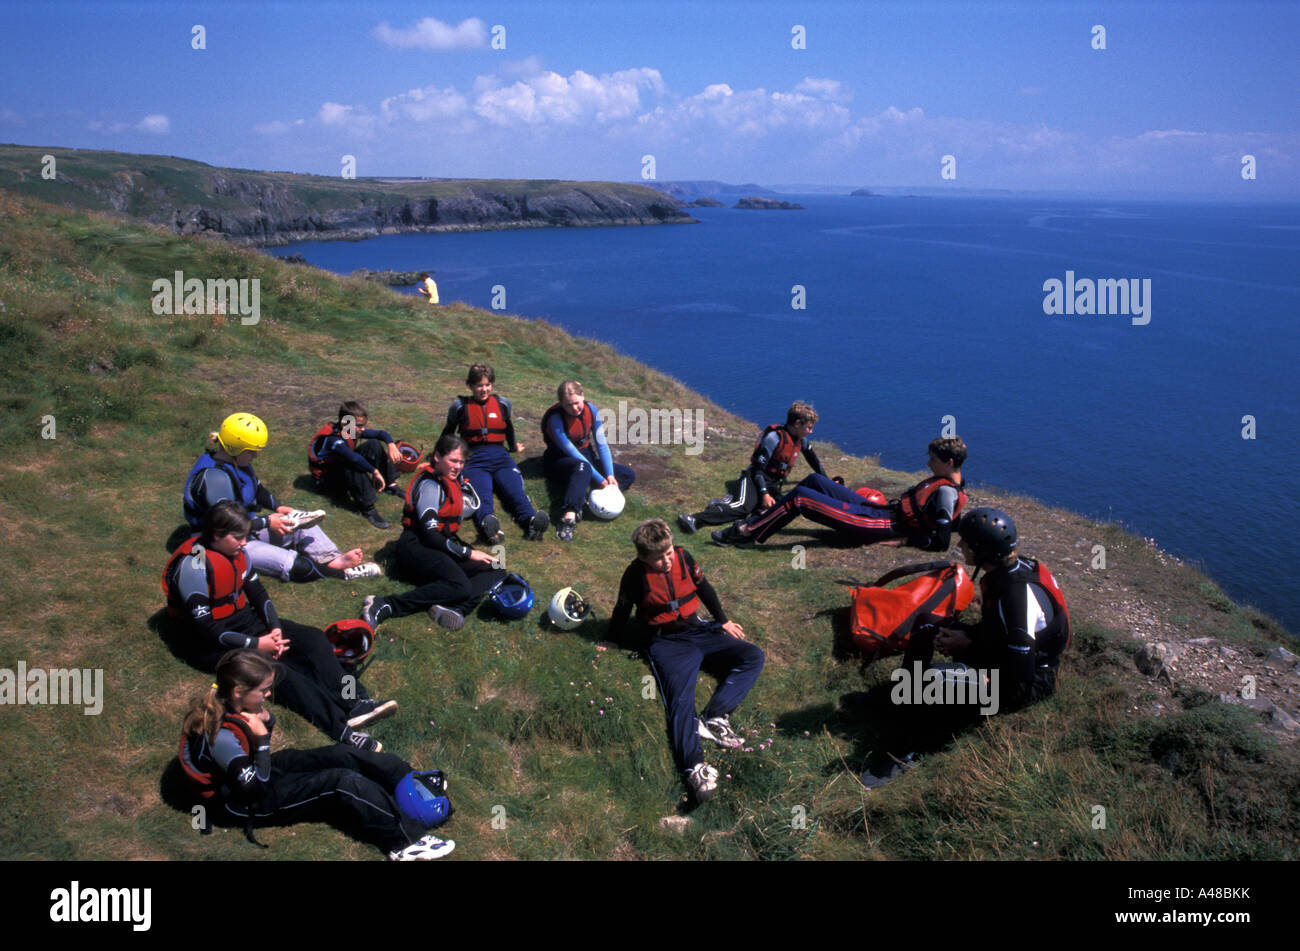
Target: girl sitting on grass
{"type": "Point", "coordinates": [226, 753]}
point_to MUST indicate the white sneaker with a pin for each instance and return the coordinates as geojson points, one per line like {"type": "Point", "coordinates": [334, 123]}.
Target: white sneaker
{"type": "Point", "coordinates": [703, 780]}
{"type": "Point", "coordinates": [429, 848]}
{"type": "Point", "coordinates": [367, 569]}
{"type": "Point", "coordinates": [719, 730]}
{"type": "Point", "coordinates": [299, 519]}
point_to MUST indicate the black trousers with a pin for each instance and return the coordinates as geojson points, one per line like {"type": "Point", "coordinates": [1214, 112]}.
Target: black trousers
{"type": "Point", "coordinates": [311, 681]}
{"type": "Point", "coordinates": [731, 508]}
{"type": "Point", "coordinates": [442, 580]}
{"type": "Point", "coordinates": [342, 479]}
{"type": "Point", "coordinates": [341, 785]}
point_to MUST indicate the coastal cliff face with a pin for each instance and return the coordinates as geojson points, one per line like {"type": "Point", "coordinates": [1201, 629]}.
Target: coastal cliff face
{"type": "Point", "coordinates": [266, 208]}
{"type": "Point", "coordinates": [272, 214]}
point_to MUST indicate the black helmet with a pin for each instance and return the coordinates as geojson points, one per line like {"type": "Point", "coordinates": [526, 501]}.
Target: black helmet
{"type": "Point", "coordinates": [989, 533]}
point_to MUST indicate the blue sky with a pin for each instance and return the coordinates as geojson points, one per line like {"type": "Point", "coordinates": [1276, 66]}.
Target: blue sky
{"type": "Point", "coordinates": [880, 93]}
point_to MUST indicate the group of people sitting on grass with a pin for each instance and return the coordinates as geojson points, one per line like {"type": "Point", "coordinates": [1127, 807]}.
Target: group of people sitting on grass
{"type": "Point", "coordinates": [232, 629]}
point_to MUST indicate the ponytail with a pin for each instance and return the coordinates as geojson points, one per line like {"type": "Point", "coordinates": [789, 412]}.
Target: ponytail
{"type": "Point", "coordinates": [244, 668]}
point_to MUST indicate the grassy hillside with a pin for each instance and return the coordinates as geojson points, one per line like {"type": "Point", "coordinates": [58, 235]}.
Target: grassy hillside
{"type": "Point", "coordinates": [537, 728]}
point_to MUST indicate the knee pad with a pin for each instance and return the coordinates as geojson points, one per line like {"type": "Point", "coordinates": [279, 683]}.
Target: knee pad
{"type": "Point", "coordinates": [304, 569]}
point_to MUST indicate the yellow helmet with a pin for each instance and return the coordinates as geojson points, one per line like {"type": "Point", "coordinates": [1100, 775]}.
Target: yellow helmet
{"type": "Point", "coordinates": [241, 431]}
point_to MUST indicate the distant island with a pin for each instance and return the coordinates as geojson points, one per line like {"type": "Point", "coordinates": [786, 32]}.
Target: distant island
{"type": "Point", "coordinates": [705, 202]}
{"type": "Point", "coordinates": [270, 208]}
{"type": "Point", "coordinates": [767, 204]}
{"type": "Point", "coordinates": [865, 193]}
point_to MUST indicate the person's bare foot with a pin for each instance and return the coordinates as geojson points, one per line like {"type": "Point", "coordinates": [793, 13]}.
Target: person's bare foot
{"type": "Point", "coordinates": [347, 560]}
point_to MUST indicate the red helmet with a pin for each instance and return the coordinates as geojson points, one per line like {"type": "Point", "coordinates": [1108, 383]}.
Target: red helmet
{"type": "Point", "coordinates": [411, 456]}
{"type": "Point", "coordinates": [353, 640]}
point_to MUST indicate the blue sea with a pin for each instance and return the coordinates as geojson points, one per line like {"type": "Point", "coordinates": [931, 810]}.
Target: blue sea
{"type": "Point", "coordinates": [916, 309]}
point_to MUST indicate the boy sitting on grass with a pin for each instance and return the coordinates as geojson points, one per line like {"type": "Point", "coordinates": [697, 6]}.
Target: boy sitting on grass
{"type": "Point", "coordinates": [666, 588]}
{"type": "Point", "coordinates": [922, 518]}
{"type": "Point", "coordinates": [775, 452]}
{"type": "Point", "coordinates": [348, 458]}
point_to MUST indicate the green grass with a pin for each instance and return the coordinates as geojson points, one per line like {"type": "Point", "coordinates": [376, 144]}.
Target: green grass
{"type": "Point", "coordinates": [513, 711]}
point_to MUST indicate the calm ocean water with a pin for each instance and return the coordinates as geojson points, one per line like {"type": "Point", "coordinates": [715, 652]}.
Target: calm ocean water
{"type": "Point", "coordinates": [921, 308]}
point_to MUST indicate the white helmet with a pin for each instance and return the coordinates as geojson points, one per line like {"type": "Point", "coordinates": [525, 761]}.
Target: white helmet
{"type": "Point", "coordinates": [469, 500]}
{"type": "Point", "coordinates": [606, 502]}
{"type": "Point", "coordinates": [567, 610]}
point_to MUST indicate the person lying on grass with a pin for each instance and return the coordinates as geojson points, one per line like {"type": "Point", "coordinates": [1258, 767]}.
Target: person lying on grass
{"type": "Point", "coordinates": [226, 754]}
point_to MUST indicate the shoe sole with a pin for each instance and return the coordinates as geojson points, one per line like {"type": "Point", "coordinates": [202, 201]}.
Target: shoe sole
{"type": "Point", "coordinates": [383, 711]}
{"type": "Point", "coordinates": [707, 734]}
{"type": "Point", "coordinates": [536, 529]}
{"type": "Point", "coordinates": [448, 846]}
{"type": "Point", "coordinates": [446, 617]}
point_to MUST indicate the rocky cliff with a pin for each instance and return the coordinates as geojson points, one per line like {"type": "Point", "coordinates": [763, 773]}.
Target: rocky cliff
{"type": "Point", "coordinates": [280, 207]}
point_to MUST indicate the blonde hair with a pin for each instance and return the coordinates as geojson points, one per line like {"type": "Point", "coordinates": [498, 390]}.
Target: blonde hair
{"type": "Point", "coordinates": [567, 388]}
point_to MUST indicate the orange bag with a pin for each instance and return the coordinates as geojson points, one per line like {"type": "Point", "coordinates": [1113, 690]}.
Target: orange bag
{"type": "Point", "coordinates": [882, 619]}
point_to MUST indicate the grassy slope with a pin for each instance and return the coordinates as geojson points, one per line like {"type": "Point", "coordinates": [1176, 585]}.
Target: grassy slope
{"type": "Point", "coordinates": [512, 711]}
{"type": "Point", "coordinates": [160, 180]}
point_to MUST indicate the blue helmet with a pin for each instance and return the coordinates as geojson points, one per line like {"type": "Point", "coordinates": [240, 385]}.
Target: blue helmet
{"type": "Point", "coordinates": [422, 796]}
{"type": "Point", "coordinates": [511, 597]}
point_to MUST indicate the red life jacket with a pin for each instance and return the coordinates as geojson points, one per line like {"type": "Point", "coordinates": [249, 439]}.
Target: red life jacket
{"type": "Point", "coordinates": [202, 781]}
{"type": "Point", "coordinates": [883, 619]}
{"type": "Point", "coordinates": [778, 465]}
{"type": "Point", "coordinates": [314, 462]}
{"type": "Point", "coordinates": [672, 595]}
{"type": "Point", "coordinates": [225, 580]}
{"type": "Point", "coordinates": [449, 513]}
{"type": "Point", "coordinates": [912, 506]}
{"type": "Point", "coordinates": [579, 429]}
{"type": "Point", "coordinates": [482, 422]}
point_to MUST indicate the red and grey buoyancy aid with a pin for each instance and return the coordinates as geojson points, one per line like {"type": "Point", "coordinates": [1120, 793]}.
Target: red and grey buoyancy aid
{"type": "Point", "coordinates": [913, 506]}
{"type": "Point", "coordinates": [225, 579]}
{"type": "Point", "coordinates": [449, 512]}
{"type": "Point", "coordinates": [482, 422]}
{"type": "Point", "coordinates": [197, 762]}
{"type": "Point", "coordinates": [578, 428]}
{"type": "Point", "coordinates": [670, 595]}
{"type": "Point", "coordinates": [783, 457]}
{"type": "Point", "coordinates": [314, 462]}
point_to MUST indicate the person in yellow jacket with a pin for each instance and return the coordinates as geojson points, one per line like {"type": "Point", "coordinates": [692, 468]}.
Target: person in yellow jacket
{"type": "Point", "coordinates": [427, 288]}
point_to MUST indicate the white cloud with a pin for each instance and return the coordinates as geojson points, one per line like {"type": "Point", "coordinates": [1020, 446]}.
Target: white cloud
{"type": "Point", "coordinates": [155, 123]}
{"type": "Point", "coordinates": [433, 34]}
{"type": "Point", "coordinates": [831, 90]}
{"type": "Point", "coordinates": [424, 104]}
{"type": "Point", "coordinates": [333, 113]}
{"type": "Point", "coordinates": [753, 112]}
{"type": "Point", "coordinates": [277, 126]}
{"type": "Point", "coordinates": [550, 97]}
